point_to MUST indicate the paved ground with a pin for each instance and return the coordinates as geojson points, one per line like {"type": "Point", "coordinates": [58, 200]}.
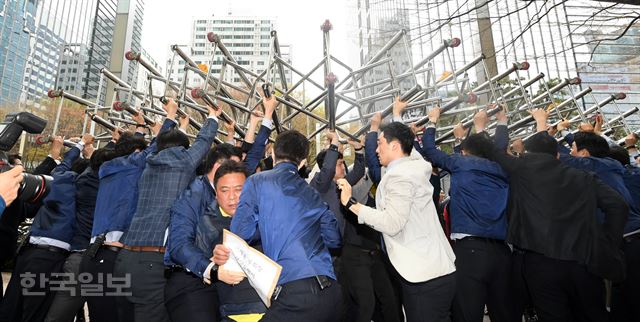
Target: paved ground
{"type": "Point", "coordinates": [6, 276]}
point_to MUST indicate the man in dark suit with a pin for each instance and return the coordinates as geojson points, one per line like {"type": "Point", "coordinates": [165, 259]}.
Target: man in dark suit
{"type": "Point", "coordinates": [552, 218]}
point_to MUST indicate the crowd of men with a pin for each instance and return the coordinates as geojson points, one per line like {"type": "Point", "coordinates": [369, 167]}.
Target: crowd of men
{"type": "Point", "coordinates": [134, 229]}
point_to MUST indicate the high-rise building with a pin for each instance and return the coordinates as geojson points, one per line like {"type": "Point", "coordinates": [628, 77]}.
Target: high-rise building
{"type": "Point", "coordinates": [550, 35]}
{"type": "Point", "coordinates": [100, 46]}
{"type": "Point", "coordinates": [64, 44]}
{"type": "Point", "coordinates": [247, 38]}
{"type": "Point", "coordinates": [126, 36]}
{"type": "Point", "coordinates": [611, 66]}
{"type": "Point", "coordinates": [378, 22]}
{"type": "Point", "coordinates": [60, 50]}
{"type": "Point", "coordinates": [17, 26]}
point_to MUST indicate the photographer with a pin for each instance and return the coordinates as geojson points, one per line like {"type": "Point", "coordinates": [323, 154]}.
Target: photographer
{"type": "Point", "coordinates": [9, 184]}
{"type": "Point", "coordinates": [18, 211]}
{"type": "Point", "coordinates": [28, 295]}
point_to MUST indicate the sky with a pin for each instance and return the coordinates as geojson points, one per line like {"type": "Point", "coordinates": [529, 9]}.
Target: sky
{"type": "Point", "coordinates": [168, 22]}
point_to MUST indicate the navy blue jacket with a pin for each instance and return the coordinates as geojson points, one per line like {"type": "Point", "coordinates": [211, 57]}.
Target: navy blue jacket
{"type": "Point", "coordinates": [192, 232]}
{"type": "Point", "coordinates": [166, 175]}
{"type": "Point", "coordinates": [118, 190]}
{"type": "Point", "coordinates": [87, 185]}
{"type": "Point", "coordinates": [192, 229]}
{"type": "Point", "coordinates": [195, 228]}
{"type": "Point", "coordinates": [56, 218]}
{"type": "Point", "coordinates": [631, 177]}
{"type": "Point", "coordinates": [295, 226]}
{"type": "Point", "coordinates": [479, 191]}
{"type": "Point", "coordinates": [256, 153]}
{"type": "Point", "coordinates": [611, 172]}
{"type": "Point", "coordinates": [373, 163]}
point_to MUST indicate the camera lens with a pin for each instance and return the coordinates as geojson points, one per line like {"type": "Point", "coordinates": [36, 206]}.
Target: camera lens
{"type": "Point", "coordinates": [34, 187]}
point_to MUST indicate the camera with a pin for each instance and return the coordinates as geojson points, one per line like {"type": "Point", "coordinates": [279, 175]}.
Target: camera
{"type": "Point", "coordinates": [33, 188]}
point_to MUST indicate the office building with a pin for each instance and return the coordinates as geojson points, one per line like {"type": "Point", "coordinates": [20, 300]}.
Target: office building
{"type": "Point", "coordinates": [247, 38]}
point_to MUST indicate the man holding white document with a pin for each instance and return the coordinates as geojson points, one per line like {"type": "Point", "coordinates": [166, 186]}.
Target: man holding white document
{"type": "Point", "coordinates": [197, 290]}
{"type": "Point", "coordinates": [296, 230]}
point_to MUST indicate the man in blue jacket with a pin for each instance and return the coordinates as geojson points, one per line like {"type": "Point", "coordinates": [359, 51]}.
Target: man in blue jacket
{"type": "Point", "coordinates": [590, 152]}
{"type": "Point", "coordinates": [479, 192]}
{"type": "Point", "coordinates": [198, 218]}
{"type": "Point", "coordinates": [295, 228]}
{"type": "Point", "coordinates": [69, 301]}
{"type": "Point", "coordinates": [166, 174]}
{"type": "Point", "coordinates": [29, 293]}
{"type": "Point", "coordinates": [115, 204]}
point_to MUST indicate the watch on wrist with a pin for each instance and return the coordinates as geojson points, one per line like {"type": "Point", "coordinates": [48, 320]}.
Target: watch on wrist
{"type": "Point", "coordinates": [213, 273]}
{"type": "Point", "coordinates": [352, 201]}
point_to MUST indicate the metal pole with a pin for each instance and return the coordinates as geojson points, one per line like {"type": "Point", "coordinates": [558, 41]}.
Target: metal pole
{"type": "Point", "coordinates": [57, 122]}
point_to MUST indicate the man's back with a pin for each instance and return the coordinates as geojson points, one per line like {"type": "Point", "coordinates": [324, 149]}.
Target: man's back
{"type": "Point", "coordinates": [612, 173]}
{"type": "Point", "coordinates": [117, 193]}
{"type": "Point", "coordinates": [167, 173]}
{"type": "Point", "coordinates": [552, 210]}
{"type": "Point", "coordinates": [295, 226]}
{"type": "Point", "coordinates": [87, 185]}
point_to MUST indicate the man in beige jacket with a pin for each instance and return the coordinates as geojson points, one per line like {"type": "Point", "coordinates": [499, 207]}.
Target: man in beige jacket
{"type": "Point", "coordinates": [406, 217]}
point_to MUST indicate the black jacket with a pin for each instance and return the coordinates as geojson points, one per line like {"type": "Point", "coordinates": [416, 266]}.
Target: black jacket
{"type": "Point", "coordinates": [552, 211]}
{"type": "Point", "coordinates": [86, 194]}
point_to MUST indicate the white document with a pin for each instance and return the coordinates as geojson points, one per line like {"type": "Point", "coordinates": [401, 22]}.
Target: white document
{"type": "Point", "coordinates": [261, 271]}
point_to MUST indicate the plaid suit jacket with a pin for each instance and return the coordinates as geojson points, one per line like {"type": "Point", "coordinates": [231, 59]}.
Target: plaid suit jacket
{"type": "Point", "coordinates": [166, 175]}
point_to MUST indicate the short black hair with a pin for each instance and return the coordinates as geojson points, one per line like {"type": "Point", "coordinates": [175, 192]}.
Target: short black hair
{"type": "Point", "coordinates": [78, 166]}
{"type": "Point", "coordinates": [401, 133]}
{"type": "Point", "coordinates": [291, 146]}
{"type": "Point", "coordinates": [223, 151]}
{"type": "Point", "coordinates": [228, 167]}
{"type": "Point", "coordinates": [322, 154]}
{"type": "Point", "coordinates": [478, 144]}
{"type": "Point", "coordinates": [172, 138]}
{"type": "Point", "coordinates": [619, 154]}
{"type": "Point", "coordinates": [541, 142]}
{"type": "Point", "coordinates": [129, 143]}
{"type": "Point", "coordinates": [13, 157]}
{"type": "Point", "coordinates": [594, 143]}
{"type": "Point", "coordinates": [99, 157]}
